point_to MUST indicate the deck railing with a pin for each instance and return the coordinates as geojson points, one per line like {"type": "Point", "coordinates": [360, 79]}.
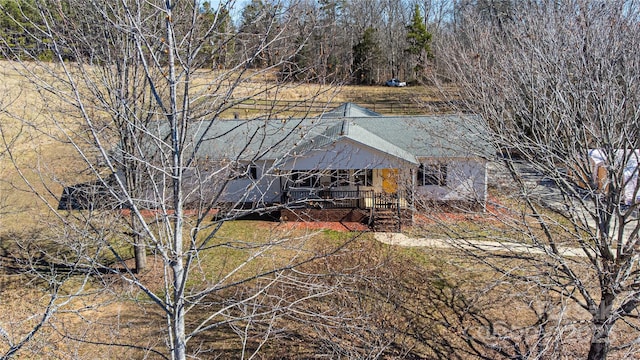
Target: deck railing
{"type": "Point", "coordinates": [333, 199]}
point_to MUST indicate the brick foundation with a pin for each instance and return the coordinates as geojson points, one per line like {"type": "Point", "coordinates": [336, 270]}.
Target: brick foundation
{"type": "Point", "coordinates": [346, 215]}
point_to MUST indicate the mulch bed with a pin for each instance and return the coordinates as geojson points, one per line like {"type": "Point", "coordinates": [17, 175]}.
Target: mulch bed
{"type": "Point", "coordinates": [324, 225]}
{"type": "Point", "coordinates": [494, 211]}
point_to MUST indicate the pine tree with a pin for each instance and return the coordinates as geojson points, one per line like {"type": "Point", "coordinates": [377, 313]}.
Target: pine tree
{"type": "Point", "coordinates": [217, 28]}
{"type": "Point", "coordinates": [365, 53]}
{"type": "Point", "coordinates": [18, 19]}
{"type": "Point", "coordinates": [419, 40]}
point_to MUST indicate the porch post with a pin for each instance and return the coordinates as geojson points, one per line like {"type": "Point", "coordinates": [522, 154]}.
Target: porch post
{"type": "Point", "coordinates": [413, 194]}
{"type": "Point", "coordinates": [358, 194]}
{"type": "Point", "coordinates": [399, 212]}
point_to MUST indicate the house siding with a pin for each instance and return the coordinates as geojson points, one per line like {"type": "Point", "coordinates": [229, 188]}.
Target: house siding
{"type": "Point", "coordinates": [466, 181]}
{"type": "Point", "coordinates": [352, 138]}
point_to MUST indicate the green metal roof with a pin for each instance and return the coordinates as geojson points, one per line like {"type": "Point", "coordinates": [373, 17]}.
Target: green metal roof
{"type": "Point", "coordinates": [406, 137]}
{"type": "Point", "coordinates": [349, 110]}
{"type": "Point", "coordinates": [433, 136]}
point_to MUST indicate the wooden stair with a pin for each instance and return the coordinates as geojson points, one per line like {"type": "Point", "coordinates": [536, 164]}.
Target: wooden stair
{"type": "Point", "coordinates": [386, 220]}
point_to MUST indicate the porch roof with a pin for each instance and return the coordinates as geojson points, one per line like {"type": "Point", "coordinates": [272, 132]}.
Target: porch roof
{"type": "Point", "coordinates": [347, 130]}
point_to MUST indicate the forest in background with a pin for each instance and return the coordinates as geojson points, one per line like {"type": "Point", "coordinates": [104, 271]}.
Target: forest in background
{"type": "Point", "coordinates": [343, 41]}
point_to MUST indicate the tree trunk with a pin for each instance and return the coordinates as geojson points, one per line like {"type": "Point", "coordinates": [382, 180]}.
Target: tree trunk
{"type": "Point", "coordinates": [140, 254]}
{"type": "Point", "coordinates": [602, 324]}
{"type": "Point", "coordinates": [599, 343]}
{"type": "Point", "coordinates": [179, 351]}
{"type": "Point", "coordinates": [139, 249]}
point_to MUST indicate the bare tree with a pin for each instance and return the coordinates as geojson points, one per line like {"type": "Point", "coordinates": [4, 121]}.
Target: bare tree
{"type": "Point", "coordinates": [557, 84]}
{"type": "Point", "coordinates": [127, 93]}
{"type": "Point", "coordinates": [29, 287]}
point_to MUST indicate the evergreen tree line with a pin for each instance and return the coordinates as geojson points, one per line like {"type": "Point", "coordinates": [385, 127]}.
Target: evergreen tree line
{"type": "Point", "coordinates": [352, 41]}
{"type": "Point", "coordinates": [356, 41]}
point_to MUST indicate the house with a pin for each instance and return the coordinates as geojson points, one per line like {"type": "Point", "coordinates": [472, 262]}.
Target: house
{"type": "Point", "coordinates": [347, 158]}
{"type": "Point", "coordinates": [352, 157]}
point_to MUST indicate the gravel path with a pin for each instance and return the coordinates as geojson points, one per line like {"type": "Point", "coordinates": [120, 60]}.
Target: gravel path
{"type": "Point", "coordinates": [537, 186]}
{"type": "Point", "coordinates": [494, 246]}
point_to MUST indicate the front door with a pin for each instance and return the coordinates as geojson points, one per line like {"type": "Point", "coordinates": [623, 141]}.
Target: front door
{"type": "Point", "coordinates": [389, 181]}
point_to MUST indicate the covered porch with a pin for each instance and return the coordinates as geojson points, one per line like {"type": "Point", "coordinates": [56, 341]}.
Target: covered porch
{"type": "Point", "coordinates": [348, 170]}
{"type": "Point", "coordinates": [379, 210]}
{"type": "Point", "coordinates": [339, 199]}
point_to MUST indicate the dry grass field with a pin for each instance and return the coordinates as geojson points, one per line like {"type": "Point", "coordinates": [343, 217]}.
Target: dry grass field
{"type": "Point", "coordinates": [429, 286]}
{"type": "Point", "coordinates": [47, 159]}
{"type": "Point", "coordinates": [37, 160]}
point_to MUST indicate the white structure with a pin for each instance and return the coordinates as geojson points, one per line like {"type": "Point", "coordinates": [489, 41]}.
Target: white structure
{"type": "Point", "coordinates": [350, 157]}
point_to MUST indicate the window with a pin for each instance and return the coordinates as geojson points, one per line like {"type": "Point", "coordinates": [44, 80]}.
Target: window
{"type": "Point", "coordinates": [432, 174]}
{"type": "Point", "coordinates": [253, 172]}
{"type": "Point", "coordinates": [340, 178]}
{"type": "Point", "coordinates": [303, 179]}
{"type": "Point", "coordinates": [363, 177]}
{"type": "Point", "coordinates": [243, 171]}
